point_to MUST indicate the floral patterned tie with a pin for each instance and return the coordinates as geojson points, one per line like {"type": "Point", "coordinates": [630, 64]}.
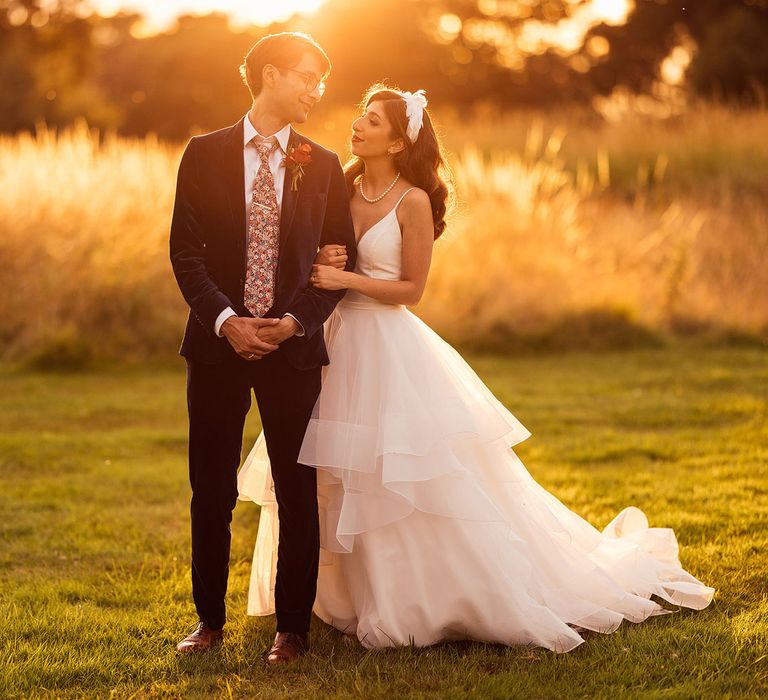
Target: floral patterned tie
{"type": "Point", "coordinates": [263, 238]}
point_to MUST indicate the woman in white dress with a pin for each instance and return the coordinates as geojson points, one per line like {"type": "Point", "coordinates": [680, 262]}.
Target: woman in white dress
{"type": "Point", "coordinates": [431, 527]}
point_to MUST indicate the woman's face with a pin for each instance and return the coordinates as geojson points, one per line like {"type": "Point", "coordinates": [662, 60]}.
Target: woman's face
{"type": "Point", "coordinates": [372, 133]}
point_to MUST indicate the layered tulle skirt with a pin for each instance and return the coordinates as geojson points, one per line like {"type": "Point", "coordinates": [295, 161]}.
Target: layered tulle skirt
{"type": "Point", "coordinates": [431, 527]}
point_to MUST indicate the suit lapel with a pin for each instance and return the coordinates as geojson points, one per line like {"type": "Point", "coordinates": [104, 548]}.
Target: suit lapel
{"type": "Point", "coordinates": [234, 177]}
{"type": "Point", "coordinates": [290, 197]}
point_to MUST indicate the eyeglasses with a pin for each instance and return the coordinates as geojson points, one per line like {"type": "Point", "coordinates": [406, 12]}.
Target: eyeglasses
{"type": "Point", "coordinates": [312, 81]}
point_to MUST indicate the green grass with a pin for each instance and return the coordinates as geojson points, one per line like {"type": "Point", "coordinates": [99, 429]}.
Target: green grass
{"type": "Point", "coordinates": [94, 582]}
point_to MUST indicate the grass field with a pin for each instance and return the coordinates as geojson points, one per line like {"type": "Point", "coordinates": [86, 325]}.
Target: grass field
{"type": "Point", "coordinates": [94, 581]}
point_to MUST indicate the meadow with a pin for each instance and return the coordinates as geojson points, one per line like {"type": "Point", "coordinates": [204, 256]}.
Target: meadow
{"type": "Point", "coordinates": [638, 245]}
{"type": "Point", "coordinates": [569, 232]}
{"type": "Point", "coordinates": [94, 578]}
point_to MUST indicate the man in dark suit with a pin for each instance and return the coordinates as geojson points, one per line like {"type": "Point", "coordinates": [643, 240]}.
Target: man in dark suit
{"type": "Point", "coordinates": [253, 203]}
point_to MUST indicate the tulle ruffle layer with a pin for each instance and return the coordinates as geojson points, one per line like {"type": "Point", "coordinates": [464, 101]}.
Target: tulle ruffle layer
{"type": "Point", "coordinates": [431, 526]}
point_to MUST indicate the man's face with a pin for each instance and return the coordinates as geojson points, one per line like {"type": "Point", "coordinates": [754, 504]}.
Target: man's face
{"type": "Point", "coordinates": [297, 90]}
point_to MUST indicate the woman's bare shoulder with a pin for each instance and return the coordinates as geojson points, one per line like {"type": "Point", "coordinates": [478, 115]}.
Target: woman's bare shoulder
{"type": "Point", "coordinates": [415, 201]}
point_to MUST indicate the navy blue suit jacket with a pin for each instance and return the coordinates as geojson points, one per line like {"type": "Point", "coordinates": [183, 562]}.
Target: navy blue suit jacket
{"type": "Point", "coordinates": [208, 246]}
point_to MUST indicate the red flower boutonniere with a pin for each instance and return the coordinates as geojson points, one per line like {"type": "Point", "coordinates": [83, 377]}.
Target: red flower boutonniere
{"type": "Point", "coordinates": [297, 158]}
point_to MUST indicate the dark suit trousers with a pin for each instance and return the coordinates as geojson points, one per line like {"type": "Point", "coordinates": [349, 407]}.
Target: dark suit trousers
{"type": "Point", "coordinates": [218, 398]}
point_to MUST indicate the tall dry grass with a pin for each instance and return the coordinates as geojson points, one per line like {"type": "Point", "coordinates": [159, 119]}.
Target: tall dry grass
{"type": "Point", "coordinates": [83, 240]}
{"type": "Point", "coordinates": [609, 234]}
{"type": "Point", "coordinates": [569, 232]}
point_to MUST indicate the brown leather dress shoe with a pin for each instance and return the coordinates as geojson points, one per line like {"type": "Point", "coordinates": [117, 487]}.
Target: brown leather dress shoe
{"type": "Point", "coordinates": [287, 647]}
{"type": "Point", "coordinates": [202, 638]}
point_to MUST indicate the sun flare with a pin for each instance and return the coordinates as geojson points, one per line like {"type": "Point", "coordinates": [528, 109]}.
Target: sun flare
{"type": "Point", "coordinates": [241, 12]}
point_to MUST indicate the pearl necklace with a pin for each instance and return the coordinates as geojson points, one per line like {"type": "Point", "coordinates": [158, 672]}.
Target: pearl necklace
{"type": "Point", "coordinates": [382, 195]}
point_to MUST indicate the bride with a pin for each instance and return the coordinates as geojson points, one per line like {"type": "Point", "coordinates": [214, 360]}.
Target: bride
{"type": "Point", "coordinates": [431, 527]}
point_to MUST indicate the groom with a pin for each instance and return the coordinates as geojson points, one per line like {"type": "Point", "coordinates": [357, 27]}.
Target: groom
{"type": "Point", "coordinates": [253, 203]}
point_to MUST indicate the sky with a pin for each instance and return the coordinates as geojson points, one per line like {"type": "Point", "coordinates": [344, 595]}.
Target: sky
{"type": "Point", "coordinates": [160, 15]}
{"type": "Point", "coordinates": [535, 36]}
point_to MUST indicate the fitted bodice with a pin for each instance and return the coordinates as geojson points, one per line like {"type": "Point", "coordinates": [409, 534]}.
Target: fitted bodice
{"type": "Point", "coordinates": [379, 252]}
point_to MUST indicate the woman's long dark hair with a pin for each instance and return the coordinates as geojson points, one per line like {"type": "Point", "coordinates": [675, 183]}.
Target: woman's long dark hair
{"type": "Point", "coordinates": [421, 163]}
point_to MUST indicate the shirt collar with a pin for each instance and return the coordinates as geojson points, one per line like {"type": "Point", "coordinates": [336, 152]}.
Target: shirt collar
{"type": "Point", "coordinates": [249, 132]}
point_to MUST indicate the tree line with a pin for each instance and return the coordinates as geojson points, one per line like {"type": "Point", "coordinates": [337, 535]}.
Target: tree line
{"type": "Point", "coordinates": [58, 62]}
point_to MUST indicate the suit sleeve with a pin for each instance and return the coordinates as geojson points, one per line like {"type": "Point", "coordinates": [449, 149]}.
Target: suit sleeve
{"type": "Point", "coordinates": [187, 245]}
{"type": "Point", "coordinates": [313, 306]}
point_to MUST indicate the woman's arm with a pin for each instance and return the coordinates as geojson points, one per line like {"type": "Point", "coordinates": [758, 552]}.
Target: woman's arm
{"type": "Point", "coordinates": [415, 216]}
{"type": "Point", "coordinates": [312, 305]}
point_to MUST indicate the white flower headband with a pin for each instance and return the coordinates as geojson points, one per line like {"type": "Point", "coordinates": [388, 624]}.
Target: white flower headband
{"type": "Point", "coordinates": [415, 102]}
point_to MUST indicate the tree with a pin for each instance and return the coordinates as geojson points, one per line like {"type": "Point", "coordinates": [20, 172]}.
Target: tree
{"type": "Point", "coordinates": [57, 63]}
{"type": "Point", "coordinates": [47, 61]}
{"type": "Point", "coordinates": [731, 55]}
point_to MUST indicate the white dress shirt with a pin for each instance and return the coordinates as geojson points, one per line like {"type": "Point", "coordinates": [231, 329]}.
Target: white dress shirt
{"type": "Point", "coordinates": [252, 163]}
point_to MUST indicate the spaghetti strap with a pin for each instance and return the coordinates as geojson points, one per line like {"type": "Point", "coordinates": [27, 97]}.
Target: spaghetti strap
{"type": "Point", "coordinates": [402, 198]}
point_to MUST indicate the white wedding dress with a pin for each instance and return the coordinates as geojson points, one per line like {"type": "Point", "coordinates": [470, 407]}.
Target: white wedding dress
{"type": "Point", "coordinates": [431, 527]}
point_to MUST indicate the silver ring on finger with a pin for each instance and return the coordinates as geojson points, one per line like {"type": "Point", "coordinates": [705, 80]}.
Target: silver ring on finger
{"type": "Point", "coordinates": [251, 356]}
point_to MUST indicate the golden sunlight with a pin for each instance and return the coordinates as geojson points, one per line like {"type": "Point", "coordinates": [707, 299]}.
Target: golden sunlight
{"type": "Point", "coordinates": [160, 16]}
{"type": "Point", "coordinates": [675, 64]}
{"type": "Point", "coordinates": [611, 11]}
{"type": "Point", "coordinates": [567, 35]}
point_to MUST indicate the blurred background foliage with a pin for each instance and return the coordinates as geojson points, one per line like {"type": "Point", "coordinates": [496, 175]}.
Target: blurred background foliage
{"type": "Point", "coordinates": [59, 60]}
{"type": "Point", "coordinates": [609, 157]}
